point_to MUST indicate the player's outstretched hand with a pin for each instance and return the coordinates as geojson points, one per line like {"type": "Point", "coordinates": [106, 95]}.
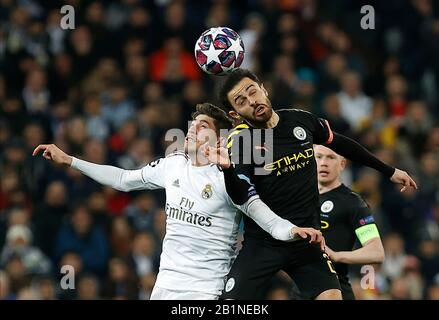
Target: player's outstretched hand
{"type": "Point", "coordinates": [315, 236]}
{"type": "Point", "coordinates": [402, 177]}
{"type": "Point", "coordinates": [217, 155]}
{"type": "Point", "coordinates": [52, 152]}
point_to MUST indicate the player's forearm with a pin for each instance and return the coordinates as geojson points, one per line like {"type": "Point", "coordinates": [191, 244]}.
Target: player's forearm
{"type": "Point", "coordinates": [372, 253]}
{"type": "Point", "coordinates": [123, 180]}
{"type": "Point", "coordinates": [353, 151]}
{"type": "Point", "coordinates": [278, 228]}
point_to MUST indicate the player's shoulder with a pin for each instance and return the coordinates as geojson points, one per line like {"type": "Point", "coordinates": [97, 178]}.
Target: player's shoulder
{"type": "Point", "coordinates": [236, 132]}
{"type": "Point", "coordinates": [297, 116]}
{"type": "Point", "coordinates": [175, 158]}
{"type": "Point", "coordinates": [352, 198]}
{"type": "Point", "coordinates": [293, 112]}
{"type": "Point", "coordinates": [178, 154]}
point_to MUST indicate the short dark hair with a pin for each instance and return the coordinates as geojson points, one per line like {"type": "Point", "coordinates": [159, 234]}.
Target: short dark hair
{"type": "Point", "coordinates": [220, 119]}
{"type": "Point", "coordinates": [232, 79]}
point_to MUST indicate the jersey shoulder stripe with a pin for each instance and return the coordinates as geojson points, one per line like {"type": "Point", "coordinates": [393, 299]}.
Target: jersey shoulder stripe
{"type": "Point", "coordinates": [235, 132]}
{"type": "Point", "coordinates": [292, 110]}
{"type": "Point", "coordinates": [358, 200]}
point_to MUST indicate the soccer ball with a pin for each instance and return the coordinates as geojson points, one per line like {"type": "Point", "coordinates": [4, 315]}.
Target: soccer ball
{"type": "Point", "coordinates": [219, 51]}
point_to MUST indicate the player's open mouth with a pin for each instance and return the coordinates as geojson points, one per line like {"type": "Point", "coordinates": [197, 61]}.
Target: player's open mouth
{"type": "Point", "coordinates": [323, 173]}
{"type": "Point", "coordinates": [190, 138]}
{"type": "Point", "coordinates": [260, 110]}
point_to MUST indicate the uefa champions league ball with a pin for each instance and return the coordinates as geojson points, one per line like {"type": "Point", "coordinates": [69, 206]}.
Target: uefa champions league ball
{"type": "Point", "coordinates": [219, 51]}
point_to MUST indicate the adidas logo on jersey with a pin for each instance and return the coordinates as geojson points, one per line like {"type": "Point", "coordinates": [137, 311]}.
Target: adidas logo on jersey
{"type": "Point", "coordinates": [176, 183]}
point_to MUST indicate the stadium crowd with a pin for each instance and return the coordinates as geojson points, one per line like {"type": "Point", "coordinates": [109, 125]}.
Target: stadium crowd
{"type": "Point", "coordinates": [108, 90]}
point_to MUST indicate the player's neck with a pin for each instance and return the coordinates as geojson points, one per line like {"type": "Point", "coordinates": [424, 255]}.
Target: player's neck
{"type": "Point", "coordinates": [197, 160]}
{"type": "Point", "coordinates": [273, 121]}
{"type": "Point", "coordinates": [331, 186]}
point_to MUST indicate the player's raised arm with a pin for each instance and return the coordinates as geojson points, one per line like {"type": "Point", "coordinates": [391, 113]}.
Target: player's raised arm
{"type": "Point", "coordinates": [354, 151]}
{"type": "Point", "coordinates": [149, 177]}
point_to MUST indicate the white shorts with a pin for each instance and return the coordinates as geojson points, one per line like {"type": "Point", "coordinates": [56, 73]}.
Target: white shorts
{"type": "Point", "coordinates": [165, 294]}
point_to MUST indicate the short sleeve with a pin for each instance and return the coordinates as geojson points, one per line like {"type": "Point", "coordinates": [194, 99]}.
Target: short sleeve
{"type": "Point", "coordinates": [235, 147]}
{"type": "Point", "coordinates": [363, 222]}
{"type": "Point", "coordinates": [319, 127]}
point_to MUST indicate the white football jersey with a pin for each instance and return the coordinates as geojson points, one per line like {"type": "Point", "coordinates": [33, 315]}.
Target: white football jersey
{"type": "Point", "coordinates": [202, 220]}
{"type": "Point", "coordinates": [201, 224]}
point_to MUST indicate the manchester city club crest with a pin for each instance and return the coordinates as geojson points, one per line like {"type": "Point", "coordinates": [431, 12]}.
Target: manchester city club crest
{"type": "Point", "coordinates": [207, 191]}
{"type": "Point", "coordinates": [299, 133]}
{"type": "Point", "coordinates": [327, 206]}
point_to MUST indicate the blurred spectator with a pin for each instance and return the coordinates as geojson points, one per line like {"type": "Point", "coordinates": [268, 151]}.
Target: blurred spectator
{"type": "Point", "coordinates": [172, 63]}
{"type": "Point", "coordinates": [97, 205]}
{"type": "Point", "coordinates": [136, 71]}
{"type": "Point", "coordinates": [88, 288]}
{"type": "Point", "coordinates": [332, 112]}
{"type": "Point", "coordinates": [251, 37]}
{"type": "Point", "coordinates": [45, 288]}
{"type": "Point", "coordinates": [76, 134]}
{"type": "Point", "coordinates": [141, 212]}
{"type": "Point", "coordinates": [147, 282]}
{"type": "Point", "coordinates": [19, 244]}
{"type": "Point", "coordinates": [433, 292]}
{"type": "Point", "coordinates": [80, 235]}
{"type": "Point", "coordinates": [126, 133]}
{"type": "Point", "coordinates": [121, 237]}
{"type": "Point", "coordinates": [355, 106]}
{"type": "Point", "coordinates": [5, 293]}
{"type": "Point", "coordinates": [139, 153]}
{"type": "Point", "coordinates": [35, 94]}
{"type": "Point", "coordinates": [118, 108]}
{"type": "Point", "coordinates": [82, 49]}
{"type": "Point", "coordinates": [429, 256]}
{"type": "Point", "coordinates": [49, 216]}
{"type": "Point", "coordinates": [143, 254]}
{"type": "Point", "coordinates": [27, 293]}
{"type": "Point", "coordinates": [284, 82]}
{"type": "Point", "coordinates": [121, 282]}
{"type": "Point", "coordinates": [416, 127]}
{"type": "Point", "coordinates": [393, 265]}
{"type": "Point", "coordinates": [97, 126]}
{"type": "Point", "coordinates": [332, 68]}
{"type": "Point", "coordinates": [396, 89]}
{"type": "Point", "coordinates": [18, 276]}
{"type": "Point", "coordinates": [399, 289]}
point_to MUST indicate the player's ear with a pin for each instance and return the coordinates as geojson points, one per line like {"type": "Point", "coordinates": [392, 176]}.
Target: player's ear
{"type": "Point", "coordinates": [234, 115]}
{"type": "Point", "coordinates": [264, 90]}
{"type": "Point", "coordinates": [343, 163]}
